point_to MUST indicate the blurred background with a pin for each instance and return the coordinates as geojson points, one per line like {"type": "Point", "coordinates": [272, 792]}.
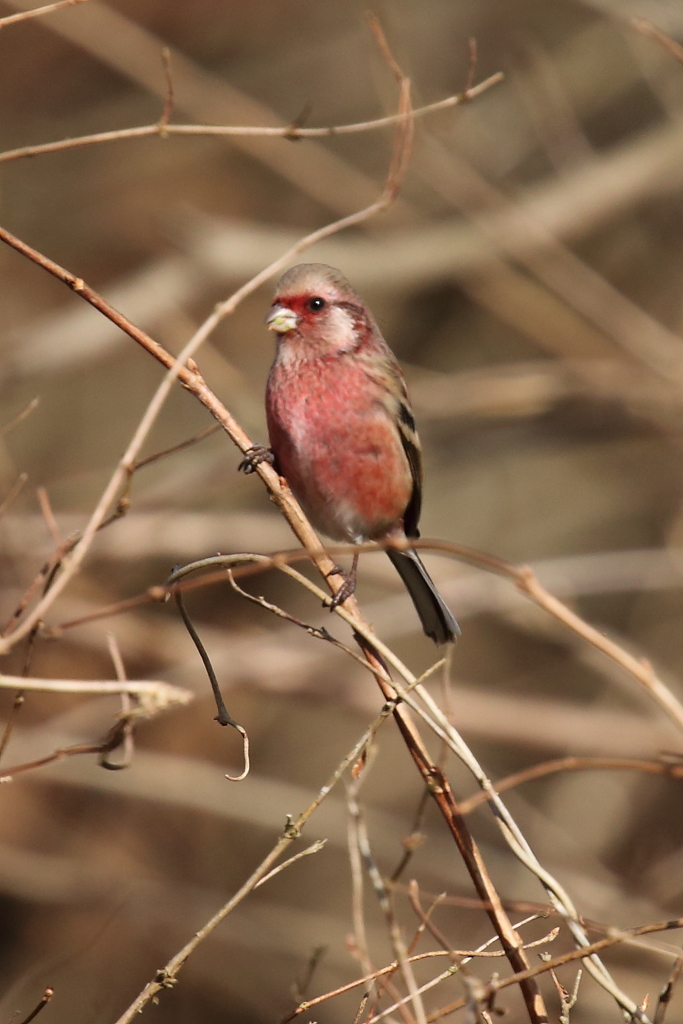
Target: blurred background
{"type": "Point", "coordinates": [530, 280]}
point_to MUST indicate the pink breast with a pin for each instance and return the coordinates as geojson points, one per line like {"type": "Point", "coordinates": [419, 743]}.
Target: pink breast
{"type": "Point", "coordinates": [338, 449]}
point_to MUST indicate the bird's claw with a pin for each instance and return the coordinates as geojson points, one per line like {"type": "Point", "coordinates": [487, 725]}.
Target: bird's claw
{"type": "Point", "coordinates": [346, 590]}
{"type": "Point", "coordinates": [254, 456]}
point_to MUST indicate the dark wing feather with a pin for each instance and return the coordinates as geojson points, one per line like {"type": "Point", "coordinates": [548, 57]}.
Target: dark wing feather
{"type": "Point", "coordinates": [397, 405]}
{"type": "Point", "coordinates": [411, 446]}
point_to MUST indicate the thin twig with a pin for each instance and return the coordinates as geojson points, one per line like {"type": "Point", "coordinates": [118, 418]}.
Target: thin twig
{"type": "Point", "coordinates": [168, 104]}
{"type": "Point", "coordinates": [12, 19]}
{"type": "Point", "coordinates": [472, 65]}
{"type": "Point", "coordinates": [442, 727]}
{"type": "Point", "coordinates": [122, 507]}
{"type": "Point", "coordinates": [13, 492]}
{"type": "Point", "coordinates": [166, 977]}
{"type": "Point", "coordinates": [47, 996]}
{"type": "Point", "coordinates": [360, 851]}
{"type": "Point", "coordinates": [26, 411]}
{"type": "Point", "coordinates": [48, 516]}
{"type": "Point", "coordinates": [522, 576]}
{"type": "Point", "coordinates": [466, 954]}
{"type": "Point", "coordinates": [190, 377]}
{"type": "Point", "coordinates": [473, 984]}
{"type": "Point", "coordinates": [615, 936]}
{"type": "Point", "coordinates": [647, 28]}
{"type": "Point", "coordinates": [287, 132]}
{"type": "Point", "coordinates": [360, 938]}
{"type": "Point", "coordinates": [667, 992]}
{"type": "Point", "coordinates": [319, 632]}
{"type": "Point", "coordinates": [673, 769]}
{"type": "Point", "coordinates": [568, 1000]}
{"type": "Point", "coordinates": [154, 695]}
{"type": "Point", "coordinates": [126, 716]}
{"type": "Point", "coordinates": [301, 985]}
{"type": "Point", "coordinates": [17, 705]}
{"type": "Point", "coordinates": [149, 459]}
{"type": "Point", "coordinates": [315, 847]}
{"type": "Point", "coordinates": [75, 750]}
{"type": "Point", "coordinates": [151, 699]}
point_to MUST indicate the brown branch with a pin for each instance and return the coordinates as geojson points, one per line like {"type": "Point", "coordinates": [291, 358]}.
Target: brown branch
{"type": "Point", "coordinates": [168, 104]}
{"type": "Point", "coordinates": [612, 939]}
{"type": "Point", "coordinates": [17, 705]}
{"type": "Point", "coordinates": [151, 699]}
{"type": "Point", "coordinates": [48, 516]}
{"type": "Point", "coordinates": [126, 739]}
{"type": "Point", "coordinates": [641, 669]}
{"type": "Point", "coordinates": [288, 132]}
{"type": "Point", "coordinates": [166, 977]}
{"type": "Point", "coordinates": [647, 28]}
{"type": "Point", "coordinates": [13, 492]}
{"type": "Point", "coordinates": [185, 370]}
{"type": "Point", "coordinates": [50, 567]}
{"type": "Point", "coordinates": [358, 833]}
{"type": "Point", "coordinates": [193, 381]}
{"type": "Point", "coordinates": [521, 576]}
{"type": "Point", "coordinates": [481, 952]}
{"type": "Point", "coordinates": [49, 992]}
{"type": "Point", "coordinates": [572, 764]}
{"type": "Point", "coordinates": [473, 982]}
{"type": "Point", "coordinates": [149, 459]}
{"type": "Point", "coordinates": [26, 411]}
{"type": "Point", "coordinates": [153, 696]}
{"type": "Point", "coordinates": [104, 747]}
{"type": "Point", "coordinates": [668, 991]}
{"type": "Point", "coordinates": [12, 19]}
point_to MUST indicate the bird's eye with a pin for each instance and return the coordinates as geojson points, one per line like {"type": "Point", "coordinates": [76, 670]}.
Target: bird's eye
{"type": "Point", "coordinates": [316, 304]}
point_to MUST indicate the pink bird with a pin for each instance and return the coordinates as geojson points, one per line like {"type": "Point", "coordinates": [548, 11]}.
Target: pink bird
{"type": "Point", "coordinates": [341, 429]}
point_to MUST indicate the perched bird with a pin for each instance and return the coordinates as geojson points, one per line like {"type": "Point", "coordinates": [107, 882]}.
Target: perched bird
{"type": "Point", "coordinates": [341, 429]}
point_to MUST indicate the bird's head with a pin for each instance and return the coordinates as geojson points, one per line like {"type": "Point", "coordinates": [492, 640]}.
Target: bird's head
{"type": "Point", "coordinates": [314, 306]}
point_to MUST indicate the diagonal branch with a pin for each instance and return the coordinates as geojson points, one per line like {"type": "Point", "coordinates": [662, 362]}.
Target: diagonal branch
{"type": "Point", "coordinates": [186, 371]}
{"type": "Point", "coordinates": [37, 12]}
{"type": "Point", "coordinates": [161, 129]}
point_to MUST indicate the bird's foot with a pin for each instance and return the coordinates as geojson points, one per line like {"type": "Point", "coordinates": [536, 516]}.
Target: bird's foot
{"type": "Point", "coordinates": [347, 588]}
{"type": "Point", "coordinates": [254, 456]}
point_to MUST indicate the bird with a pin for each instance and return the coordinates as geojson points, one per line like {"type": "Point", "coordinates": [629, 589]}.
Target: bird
{"type": "Point", "coordinates": [342, 432]}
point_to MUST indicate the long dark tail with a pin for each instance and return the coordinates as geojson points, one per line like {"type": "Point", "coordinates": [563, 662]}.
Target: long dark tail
{"type": "Point", "coordinates": [436, 618]}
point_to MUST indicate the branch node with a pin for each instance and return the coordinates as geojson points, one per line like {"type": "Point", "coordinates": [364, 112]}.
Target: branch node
{"type": "Point", "coordinates": [291, 829]}
{"type": "Point", "coordinates": [165, 979]}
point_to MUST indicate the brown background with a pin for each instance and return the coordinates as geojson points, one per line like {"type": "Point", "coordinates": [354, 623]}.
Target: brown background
{"type": "Point", "coordinates": [530, 281]}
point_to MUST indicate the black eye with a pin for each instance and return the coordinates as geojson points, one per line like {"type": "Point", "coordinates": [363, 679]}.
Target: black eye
{"type": "Point", "coordinates": [316, 304]}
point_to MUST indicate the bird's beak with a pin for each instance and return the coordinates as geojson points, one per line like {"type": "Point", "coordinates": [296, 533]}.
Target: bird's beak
{"type": "Point", "coordinates": [282, 319]}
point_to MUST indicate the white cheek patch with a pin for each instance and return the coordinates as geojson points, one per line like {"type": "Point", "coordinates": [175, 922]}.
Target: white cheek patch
{"type": "Point", "coordinates": [339, 332]}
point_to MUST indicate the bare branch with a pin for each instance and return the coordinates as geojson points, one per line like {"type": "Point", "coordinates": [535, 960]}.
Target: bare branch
{"type": "Point", "coordinates": [12, 19]}
{"type": "Point", "coordinates": [667, 992]}
{"type": "Point", "coordinates": [153, 696]}
{"type": "Point", "coordinates": [163, 129]}
{"type": "Point", "coordinates": [13, 492]}
{"type": "Point", "coordinates": [168, 105]}
{"type": "Point", "coordinates": [673, 769]}
{"type": "Point", "coordinates": [167, 976]}
{"type": "Point", "coordinates": [612, 939]}
{"type": "Point", "coordinates": [49, 992]}
{"type": "Point", "coordinates": [26, 411]}
{"type": "Point", "coordinates": [190, 377]}
{"type": "Point", "coordinates": [647, 28]}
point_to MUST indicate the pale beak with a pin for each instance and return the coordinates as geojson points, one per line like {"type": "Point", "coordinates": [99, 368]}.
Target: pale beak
{"type": "Point", "coordinates": [282, 319]}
